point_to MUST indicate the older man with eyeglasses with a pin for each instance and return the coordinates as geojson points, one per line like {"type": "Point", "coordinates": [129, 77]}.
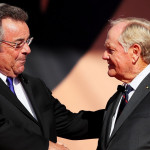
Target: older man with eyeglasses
{"type": "Point", "coordinates": [30, 117]}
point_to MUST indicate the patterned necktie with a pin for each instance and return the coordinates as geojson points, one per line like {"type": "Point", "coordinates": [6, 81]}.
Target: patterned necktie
{"type": "Point", "coordinates": [9, 81]}
{"type": "Point", "coordinates": [124, 99]}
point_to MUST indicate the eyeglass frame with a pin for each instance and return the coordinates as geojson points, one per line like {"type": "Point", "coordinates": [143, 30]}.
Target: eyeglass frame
{"type": "Point", "coordinates": [17, 45]}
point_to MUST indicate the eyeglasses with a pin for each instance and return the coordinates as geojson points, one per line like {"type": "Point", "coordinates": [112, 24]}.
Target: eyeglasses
{"type": "Point", "coordinates": [17, 45]}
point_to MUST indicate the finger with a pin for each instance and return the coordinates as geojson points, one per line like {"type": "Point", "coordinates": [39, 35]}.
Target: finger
{"type": "Point", "coordinates": [60, 143]}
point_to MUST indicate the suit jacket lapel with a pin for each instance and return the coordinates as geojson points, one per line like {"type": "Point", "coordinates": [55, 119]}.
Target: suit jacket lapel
{"type": "Point", "coordinates": [26, 84]}
{"type": "Point", "coordinates": [110, 111]}
{"type": "Point", "coordinates": [142, 90]}
{"type": "Point", "coordinates": [5, 91]}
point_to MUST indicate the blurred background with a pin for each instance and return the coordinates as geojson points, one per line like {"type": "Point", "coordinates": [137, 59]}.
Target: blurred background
{"type": "Point", "coordinates": [67, 50]}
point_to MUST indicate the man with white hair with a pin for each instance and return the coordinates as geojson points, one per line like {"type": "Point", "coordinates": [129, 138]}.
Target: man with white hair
{"type": "Point", "coordinates": [126, 124]}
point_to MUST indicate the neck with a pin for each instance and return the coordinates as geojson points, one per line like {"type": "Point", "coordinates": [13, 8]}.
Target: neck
{"type": "Point", "coordinates": [130, 76]}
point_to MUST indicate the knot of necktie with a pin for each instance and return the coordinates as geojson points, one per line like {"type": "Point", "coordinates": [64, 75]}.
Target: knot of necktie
{"type": "Point", "coordinates": [120, 88]}
{"type": "Point", "coordinates": [126, 89]}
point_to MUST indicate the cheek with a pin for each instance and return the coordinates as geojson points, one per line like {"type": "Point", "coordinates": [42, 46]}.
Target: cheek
{"type": "Point", "coordinates": [18, 67]}
{"type": "Point", "coordinates": [116, 65]}
{"type": "Point", "coordinates": [118, 61]}
{"type": "Point", "coordinates": [123, 67]}
{"type": "Point", "coordinates": [7, 60]}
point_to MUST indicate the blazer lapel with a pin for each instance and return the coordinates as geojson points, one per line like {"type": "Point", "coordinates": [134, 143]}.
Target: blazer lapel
{"type": "Point", "coordinates": [142, 90]}
{"type": "Point", "coordinates": [5, 91]}
{"type": "Point", "coordinates": [110, 111]}
{"type": "Point", "coordinates": [26, 84]}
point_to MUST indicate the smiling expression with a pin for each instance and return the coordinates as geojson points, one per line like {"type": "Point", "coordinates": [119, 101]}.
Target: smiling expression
{"type": "Point", "coordinates": [119, 61]}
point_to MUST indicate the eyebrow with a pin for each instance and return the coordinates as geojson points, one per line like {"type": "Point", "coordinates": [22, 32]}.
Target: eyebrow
{"type": "Point", "coordinates": [106, 44]}
{"type": "Point", "coordinates": [21, 39]}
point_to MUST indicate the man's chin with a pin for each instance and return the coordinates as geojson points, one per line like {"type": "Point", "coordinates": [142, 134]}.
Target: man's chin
{"type": "Point", "coordinates": [111, 73]}
{"type": "Point", "coordinates": [19, 70]}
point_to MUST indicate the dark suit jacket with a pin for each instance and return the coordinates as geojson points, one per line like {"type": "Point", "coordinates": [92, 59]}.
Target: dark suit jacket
{"type": "Point", "coordinates": [132, 129]}
{"type": "Point", "coordinates": [20, 131]}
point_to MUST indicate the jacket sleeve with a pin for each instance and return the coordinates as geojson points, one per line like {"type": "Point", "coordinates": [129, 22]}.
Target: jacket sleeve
{"type": "Point", "coordinates": [76, 126]}
{"type": "Point", "coordinates": [16, 138]}
{"type": "Point", "coordinates": [66, 124]}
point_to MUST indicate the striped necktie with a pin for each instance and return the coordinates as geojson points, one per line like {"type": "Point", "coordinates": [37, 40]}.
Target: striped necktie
{"type": "Point", "coordinates": [124, 99]}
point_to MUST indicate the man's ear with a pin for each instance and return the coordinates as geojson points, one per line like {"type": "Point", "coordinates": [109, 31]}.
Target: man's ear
{"type": "Point", "coordinates": [135, 51]}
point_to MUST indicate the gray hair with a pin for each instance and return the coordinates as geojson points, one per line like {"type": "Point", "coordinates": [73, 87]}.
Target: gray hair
{"type": "Point", "coordinates": [137, 31]}
{"type": "Point", "coordinates": [13, 12]}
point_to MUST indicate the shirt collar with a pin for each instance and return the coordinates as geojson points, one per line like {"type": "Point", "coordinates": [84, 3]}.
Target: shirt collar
{"type": "Point", "coordinates": [139, 78]}
{"type": "Point", "coordinates": [15, 80]}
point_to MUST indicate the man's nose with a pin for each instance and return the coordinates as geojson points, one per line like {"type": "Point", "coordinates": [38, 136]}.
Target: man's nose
{"type": "Point", "coordinates": [26, 49]}
{"type": "Point", "coordinates": [105, 55]}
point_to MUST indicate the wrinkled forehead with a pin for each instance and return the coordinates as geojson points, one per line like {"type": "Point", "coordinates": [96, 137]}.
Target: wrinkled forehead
{"type": "Point", "coordinates": [13, 29]}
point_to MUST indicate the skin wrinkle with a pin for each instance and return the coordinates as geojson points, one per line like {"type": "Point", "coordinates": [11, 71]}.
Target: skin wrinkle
{"type": "Point", "coordinates": [13, 60]}
{"type": "Point", "coordinates": [124, 66]}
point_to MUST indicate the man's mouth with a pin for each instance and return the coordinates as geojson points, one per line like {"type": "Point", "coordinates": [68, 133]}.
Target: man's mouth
{"type": "Point", "coordinates": [110, 66]}
{"type": "Point", "coordinates": [23, 61]}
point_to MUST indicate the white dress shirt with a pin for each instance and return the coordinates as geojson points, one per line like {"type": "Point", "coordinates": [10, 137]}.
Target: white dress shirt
{"type": "Point", "coordinates": [134, 84]}
{"type": "Point", "coordinates": [21, 94]}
